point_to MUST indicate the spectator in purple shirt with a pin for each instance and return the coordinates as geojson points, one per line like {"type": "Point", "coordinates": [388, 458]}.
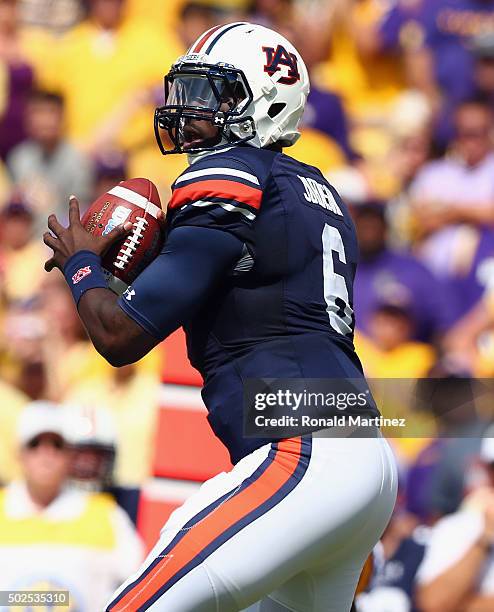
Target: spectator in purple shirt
{"type": "Point", "coordinates": [19, 78]}
{"type": "Point", "coordinates": [482, 50]}
{"type": "Point", "coordinates": [440, 32]}
{"type": "Point", "coordinates": [388, 275]}
{"type": "Point", "coordinates": [477, 274]}
{"type": "Point", "coordinates": [449, 27]}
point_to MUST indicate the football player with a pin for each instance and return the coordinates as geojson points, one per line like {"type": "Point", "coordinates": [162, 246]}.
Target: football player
{"type": "Point", "coordinates": [258, 268]}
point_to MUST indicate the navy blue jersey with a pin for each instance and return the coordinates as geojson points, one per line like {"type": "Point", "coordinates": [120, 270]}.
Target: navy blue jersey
{"type": "Point", "coordinates": [283, 309]}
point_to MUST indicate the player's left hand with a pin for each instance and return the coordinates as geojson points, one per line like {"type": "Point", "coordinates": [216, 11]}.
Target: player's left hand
{"type": "Point", "coordinates": [65, 241]}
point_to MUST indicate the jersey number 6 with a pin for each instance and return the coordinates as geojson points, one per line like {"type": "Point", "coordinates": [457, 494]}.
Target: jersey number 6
{"type": "Point", "coordinates": [335, 285]}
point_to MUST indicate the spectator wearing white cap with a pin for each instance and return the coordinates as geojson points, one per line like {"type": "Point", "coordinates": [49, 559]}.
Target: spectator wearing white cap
{"type": "Point", "coordinates": [53, 535]}
{"type": "Point", "coordinates": [458, 569]}
{"type": "Point", "coordinates": [45, 457]}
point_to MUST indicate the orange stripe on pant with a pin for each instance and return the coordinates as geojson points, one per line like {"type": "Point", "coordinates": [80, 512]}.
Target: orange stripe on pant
{"type": "Point", "coordinates": [230, 190]}
{"type": "Point", "coordinates": [212, 526]}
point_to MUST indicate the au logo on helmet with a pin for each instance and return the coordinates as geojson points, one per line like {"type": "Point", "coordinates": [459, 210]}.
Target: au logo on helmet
{"type": "Point", "coordinates": [280, 57]}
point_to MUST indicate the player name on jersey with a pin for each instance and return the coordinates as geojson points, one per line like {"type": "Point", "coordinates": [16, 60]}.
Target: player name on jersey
{"type": "Point", "coordinates": [317, 193]}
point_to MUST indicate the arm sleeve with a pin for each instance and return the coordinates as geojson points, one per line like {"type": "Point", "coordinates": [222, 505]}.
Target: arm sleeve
{"type": "Point", "coordinates": [174, 286]}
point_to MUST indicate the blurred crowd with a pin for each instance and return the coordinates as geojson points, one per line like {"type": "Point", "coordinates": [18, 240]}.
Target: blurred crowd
{"type": "Point", "coordinates": [400, 119]}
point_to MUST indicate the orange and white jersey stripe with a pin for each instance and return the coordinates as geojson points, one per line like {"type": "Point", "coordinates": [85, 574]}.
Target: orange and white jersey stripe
{"type": "Point", "coordinates": [213, 186]}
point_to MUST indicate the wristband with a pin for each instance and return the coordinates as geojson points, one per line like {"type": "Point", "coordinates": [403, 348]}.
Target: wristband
{"type": "Point", "coordinates": [82, 272]}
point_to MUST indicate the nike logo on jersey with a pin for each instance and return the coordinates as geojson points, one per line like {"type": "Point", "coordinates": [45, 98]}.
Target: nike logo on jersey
{"type": "Point", "coordinates": [318, 193]}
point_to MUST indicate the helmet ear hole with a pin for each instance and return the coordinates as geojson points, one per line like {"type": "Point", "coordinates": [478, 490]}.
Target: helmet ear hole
{"type": "Point", "coordinates": [275, 109]}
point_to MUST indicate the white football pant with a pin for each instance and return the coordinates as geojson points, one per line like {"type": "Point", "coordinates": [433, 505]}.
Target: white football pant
{"type": "Point", "coordinates": [291, 524]}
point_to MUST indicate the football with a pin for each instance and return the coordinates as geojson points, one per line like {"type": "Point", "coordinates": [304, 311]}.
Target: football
{"type": "Point", "coordinates": [136, 201]}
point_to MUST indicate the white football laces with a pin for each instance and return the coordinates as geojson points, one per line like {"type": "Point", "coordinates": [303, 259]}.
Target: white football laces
{"type": "Point", "coordinates": [130, 245]}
